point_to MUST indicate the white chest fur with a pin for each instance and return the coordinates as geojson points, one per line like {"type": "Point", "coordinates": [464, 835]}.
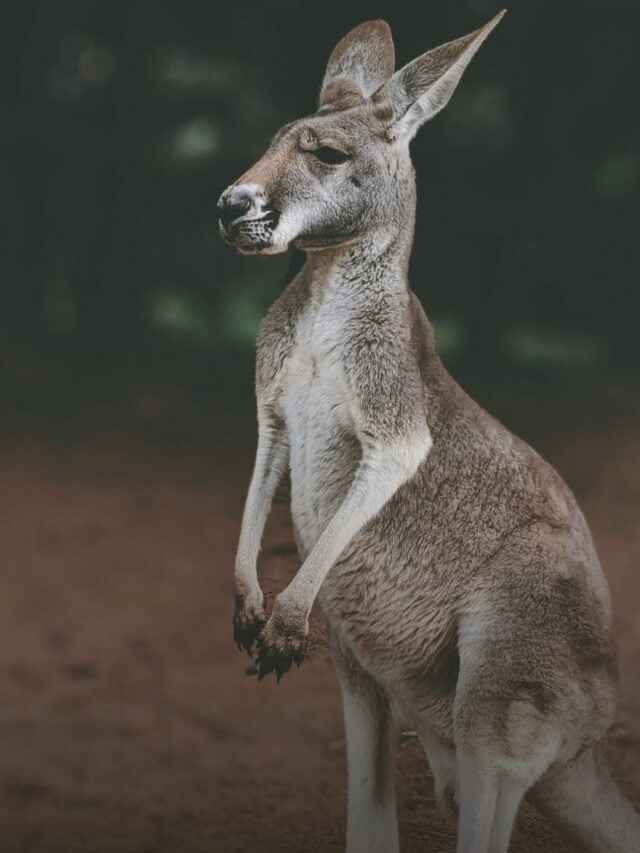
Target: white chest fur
{"type": "Point", "coordinates": [317, 409]}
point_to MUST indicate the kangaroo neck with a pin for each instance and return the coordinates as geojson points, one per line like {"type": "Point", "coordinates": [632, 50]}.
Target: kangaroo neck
{"type": "Point", "coordinates": [375, 264]}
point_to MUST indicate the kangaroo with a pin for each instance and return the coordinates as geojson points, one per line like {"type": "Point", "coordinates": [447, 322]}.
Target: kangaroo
{"type": "Point", "coordinates": [463, 594]}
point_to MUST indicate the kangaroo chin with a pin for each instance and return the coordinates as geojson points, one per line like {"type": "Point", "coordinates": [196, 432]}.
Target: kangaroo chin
{"type": "Point", "coordinates": [462, 590]}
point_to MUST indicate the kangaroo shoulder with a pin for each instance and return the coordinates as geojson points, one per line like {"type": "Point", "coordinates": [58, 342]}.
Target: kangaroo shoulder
{"type": "Point", "coordinates": [382, 368]}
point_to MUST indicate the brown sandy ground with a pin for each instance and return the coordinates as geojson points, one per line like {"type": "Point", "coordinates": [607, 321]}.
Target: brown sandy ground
{"type": "Point", "coordinates": [127, 722]}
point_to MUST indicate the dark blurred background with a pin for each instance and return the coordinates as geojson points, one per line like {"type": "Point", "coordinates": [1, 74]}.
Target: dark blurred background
{"type": "Point", "coordinates": [123, 121]}
{"type": "Point", "coordinates": [127, 425]}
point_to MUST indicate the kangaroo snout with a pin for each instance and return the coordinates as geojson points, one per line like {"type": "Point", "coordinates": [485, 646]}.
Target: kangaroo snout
{"type": "Point", "coordinates": [240, 201]}
{"type": "Point", "coordinates": [247, 219]}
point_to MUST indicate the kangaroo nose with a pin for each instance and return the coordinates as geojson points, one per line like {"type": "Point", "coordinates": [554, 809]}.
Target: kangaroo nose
{"type": "Point", "coordinates": [236, 202]}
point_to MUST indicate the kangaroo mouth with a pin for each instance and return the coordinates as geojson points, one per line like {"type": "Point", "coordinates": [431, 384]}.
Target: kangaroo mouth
{"type": "Point", "coordinates": [251, 234]}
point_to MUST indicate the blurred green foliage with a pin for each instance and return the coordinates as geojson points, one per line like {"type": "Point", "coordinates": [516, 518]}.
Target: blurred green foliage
{"type": "Point", "coordinates": [124, 121]}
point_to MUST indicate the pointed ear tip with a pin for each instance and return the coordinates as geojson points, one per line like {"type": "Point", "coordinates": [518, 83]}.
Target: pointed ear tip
{"type": "Point", "coordinates": [376, 28]}
{"type": "Point", "coordinates": [376, 25]}
{"type": "Point", "coordinates": [497, 18]}
{"type": "Point", "coordinates": [491, 24]}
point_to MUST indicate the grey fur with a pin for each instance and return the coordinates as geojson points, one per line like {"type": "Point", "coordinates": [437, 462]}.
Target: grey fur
{"type": "Point", "coordinates": [464, 596]}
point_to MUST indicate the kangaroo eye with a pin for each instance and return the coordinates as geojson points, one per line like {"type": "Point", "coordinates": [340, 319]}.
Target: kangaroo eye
{"type": "Point", "coordinates": [331, 156]}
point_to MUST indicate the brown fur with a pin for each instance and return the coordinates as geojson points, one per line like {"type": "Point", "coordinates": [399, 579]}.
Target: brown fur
{"type": "Point", "coordinates": [462, 588]}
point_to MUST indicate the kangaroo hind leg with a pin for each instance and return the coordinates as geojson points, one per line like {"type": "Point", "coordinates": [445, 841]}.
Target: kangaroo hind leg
{"type": "Point", "coordinates": [372, 737]}
{"type": "Point", "coordinates": [489, 803]}
{"type": "Point", "coordinates": [506, 738]}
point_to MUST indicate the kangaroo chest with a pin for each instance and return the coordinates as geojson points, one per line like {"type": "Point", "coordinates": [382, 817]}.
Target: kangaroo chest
{"type": "Point", "coordinates": [317, 401]}
{"type": "Point", "coordinates": [316, 405]}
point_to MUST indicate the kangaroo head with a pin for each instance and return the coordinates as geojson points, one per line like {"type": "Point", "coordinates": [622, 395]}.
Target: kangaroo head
{"type": "Point", "coordinates": [345, 172]}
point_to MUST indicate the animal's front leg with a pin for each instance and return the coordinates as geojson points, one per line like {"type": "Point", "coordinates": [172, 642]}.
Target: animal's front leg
{"type": "Point", "coordinates": [384, 467]}
{"type": "Point", "coordinates": [283, 641]}
{"type": "Point", "coordinates": [249, 619]}
{"type": "Point", "coordinates": [271, 461]}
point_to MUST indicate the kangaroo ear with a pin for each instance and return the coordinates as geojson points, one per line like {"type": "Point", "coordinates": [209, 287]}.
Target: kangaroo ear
{"type": "Point", "coordinates": [423, 87]}
{"type": "Point", "coordinates": [360, 63]}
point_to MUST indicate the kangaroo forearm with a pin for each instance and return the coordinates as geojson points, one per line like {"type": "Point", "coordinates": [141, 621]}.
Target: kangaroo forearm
{"type": "Point", "coordinates": [380, 474]}
{"type": "Point", "coordinates": [271, 463]}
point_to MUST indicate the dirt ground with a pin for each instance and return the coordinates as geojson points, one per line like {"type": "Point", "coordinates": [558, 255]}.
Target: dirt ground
{"type": "Point", "coordinates": [127, 722]}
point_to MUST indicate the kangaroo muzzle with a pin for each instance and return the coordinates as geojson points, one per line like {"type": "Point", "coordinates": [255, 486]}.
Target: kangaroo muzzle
{"type": "Point", "coordinates": [247, 220]}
